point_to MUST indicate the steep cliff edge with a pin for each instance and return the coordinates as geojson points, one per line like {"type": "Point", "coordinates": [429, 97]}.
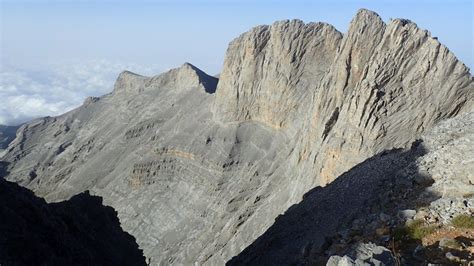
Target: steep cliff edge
{"type": "Point", "coordinates": [270, 72]}
{"type": "Point", "coordinates": [375, 88]}
{"type": "Point", "coordinates": [387, 91]}
{"type": "Point", "coordinates": [198, 168]}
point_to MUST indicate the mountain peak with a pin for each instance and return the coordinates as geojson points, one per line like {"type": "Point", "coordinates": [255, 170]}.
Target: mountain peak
{"type": "Point", "coordinates": [189, 65]}
{"type": "Point", "coordinates": [263, 66]}
{"type": "Point", "coordinates": [128, 81]}
{"type": "Point", "coordinates": [208, 82]}
{"type": "Point", "coordinates": [363, 19]}
{"type": "Point", "coordinates": [297, 105]}
{"type": "Point", "coordinates": [364, 13]}
{"type": "Point", "coordinates": [184, 77]}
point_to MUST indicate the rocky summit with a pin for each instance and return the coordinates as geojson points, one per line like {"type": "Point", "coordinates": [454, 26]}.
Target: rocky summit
{"type": "Point", "coordinates": [312, 147]}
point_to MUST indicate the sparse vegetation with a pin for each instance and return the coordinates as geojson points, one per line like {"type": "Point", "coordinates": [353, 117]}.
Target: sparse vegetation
{"type": "Point", "coordinates": [463, 221]}
{"type": "Point", "coordinates": [468, 195]}
{"type": "Point", "coordinates": [414, 231]}
{"type": "Point", "coordinates": [451, 243]}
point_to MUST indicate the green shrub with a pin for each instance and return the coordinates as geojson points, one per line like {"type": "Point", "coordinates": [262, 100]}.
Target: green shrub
{"type": "Point", "coordinates": [463, 221]}
{"type": "Point", "coordinates": [415, 231]}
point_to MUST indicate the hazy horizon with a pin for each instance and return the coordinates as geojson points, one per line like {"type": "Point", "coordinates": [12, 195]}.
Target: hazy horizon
{"type": "Point", "coordinates": [56, 53]}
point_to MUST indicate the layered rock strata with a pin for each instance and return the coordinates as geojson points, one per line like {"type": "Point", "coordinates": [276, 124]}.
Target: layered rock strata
{"type": "Point", "coordinates": [198, 168]}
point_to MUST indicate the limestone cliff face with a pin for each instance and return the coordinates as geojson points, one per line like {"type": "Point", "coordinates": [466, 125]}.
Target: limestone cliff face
{"type": "Point", "coordinates": [432, 180]}
{"type": "Point", "coordinates": [389, 83]}
{"type": "Point", "coordinates": [197, 176]}
{"type": "Point", "coordinates": [270, 71]}
{"type": "Point", "coordinates": [377, 87]}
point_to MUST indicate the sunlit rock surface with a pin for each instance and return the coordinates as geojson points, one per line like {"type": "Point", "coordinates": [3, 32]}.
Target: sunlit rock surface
{"type": "Point", "coordinates": [198, 168]}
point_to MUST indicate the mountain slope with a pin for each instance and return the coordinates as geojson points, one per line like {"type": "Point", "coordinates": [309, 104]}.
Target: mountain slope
{"type": "Point", "coordinates": [433, 179]}
{"type": "Point", "coordinates": [197, 172]}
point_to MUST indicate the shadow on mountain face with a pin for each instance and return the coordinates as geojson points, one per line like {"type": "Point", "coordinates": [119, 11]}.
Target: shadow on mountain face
{"type": "Point", "coordinates": [209, 82]}
{"type": "Point", "coordinates": [79, 231]}
{"type": "Point", "coordinates": [3, 169]}
{"type": "Point", "coordinates": [381, 184]}
{"type": "Point", "coordinates": [7, 135]}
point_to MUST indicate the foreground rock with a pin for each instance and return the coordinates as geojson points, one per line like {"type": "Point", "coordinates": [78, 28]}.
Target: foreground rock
{"type": "Point", "coordinates": [197, 174]}
{"type": "Point", "coordinates": [80, 231]}
{"type": "Point", "coordinates": [364, 254]}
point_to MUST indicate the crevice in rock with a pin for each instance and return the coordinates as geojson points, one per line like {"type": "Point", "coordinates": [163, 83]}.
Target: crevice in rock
{"type": "Point", "coordinates": [330, 123]}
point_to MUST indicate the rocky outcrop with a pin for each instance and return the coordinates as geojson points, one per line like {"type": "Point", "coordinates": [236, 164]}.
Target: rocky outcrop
{"type": "Point", "coordinates": [374, 202]}
{"type": "Point", "coordinates": [80, 231]}
{"type": "Point", "coordinates": [185, 77]}
{"type": "Point", "coordinates": [270, 72]}
{"type": "Point", "coordinates": [197, 174]}
{"type": "Point", "coordinates": [450, 160]}
{"type": "Point", "coordinates": [385, 92]}
{"type": "Point", "coordinates": [354, 94]}
{"type": "Point", "coordinates": [364, 254]}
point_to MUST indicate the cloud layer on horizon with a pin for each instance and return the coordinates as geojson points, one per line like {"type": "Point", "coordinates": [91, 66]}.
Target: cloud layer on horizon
{"type": "Point", "coordinates": [26, 94]}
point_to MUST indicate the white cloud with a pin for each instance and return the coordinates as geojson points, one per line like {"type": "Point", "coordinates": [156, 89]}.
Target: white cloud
{"type": "Point", "coordinates": [54, 89]}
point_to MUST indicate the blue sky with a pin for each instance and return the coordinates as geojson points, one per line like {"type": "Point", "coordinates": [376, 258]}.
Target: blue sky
{"type": "Point", "coordinates": [42, 39]}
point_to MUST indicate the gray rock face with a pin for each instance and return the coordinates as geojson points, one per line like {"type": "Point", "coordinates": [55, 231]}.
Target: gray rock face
{"type": "Point", "coordinates": [450, 162]}
{"type": "Point", "coordinates": [370, 84]}
{"type": "Point", "coordinates": [362, 201]}
{"type": "Point", "coordinates": [270, 72]}
{"type": "Point", "coordinates": [197, 176]}
{"type": "Point", "coordinates": [450, 167]}
{"type": "Point", "coordinates": [364, 254]}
